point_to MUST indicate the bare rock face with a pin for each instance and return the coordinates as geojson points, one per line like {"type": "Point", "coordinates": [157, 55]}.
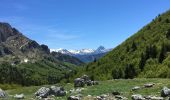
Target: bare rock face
{"type": "Point", "coordinates": [45, 48]}
{"type": "Point", "coordinates": [6, 31]}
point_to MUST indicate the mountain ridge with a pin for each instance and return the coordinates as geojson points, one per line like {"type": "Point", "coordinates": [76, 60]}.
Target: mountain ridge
{"type": "Point", "coordinates": [85, 55]}
{"type": "Point", "coordinates": [24, 61]}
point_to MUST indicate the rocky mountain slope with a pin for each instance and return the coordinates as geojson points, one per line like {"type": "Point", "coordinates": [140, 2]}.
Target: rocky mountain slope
{"type": "Point", "coordinates": [67, 58]}
{"type": "Point", "coordinates": [145, 54]}
{"type": "Point", "coordinates": [24, 61]}
{"type": "Point", "coordinates": [85, 55]}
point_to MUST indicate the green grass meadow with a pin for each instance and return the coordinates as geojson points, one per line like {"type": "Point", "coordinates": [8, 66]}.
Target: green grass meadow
{"type": "Point", "coordinates": [105, 87]}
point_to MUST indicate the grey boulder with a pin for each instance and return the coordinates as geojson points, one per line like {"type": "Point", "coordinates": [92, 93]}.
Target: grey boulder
{"type": "Point", "coordinates": [85, 77]}
{"type": "Point", "coordinates": [76, 97]}
{"type": "Point", "coordinates": [165, 92]}
{"type": "Point", "coordinates": [149, 85]}
{"type": "Point", "coordinates": [19, 96]}
{"type": "Point", "coordinates": [2, 94]}
{"type": "Point", "coordinates": [79, 82]}
{"type": "Point", "coordinates": [57, 91]}
{"type": "Point", "coordinates": [136, 88]}
{"type": "Point", "coordinates": [95, 83]}
{"type": "Point", "coordinates": [89, 83]}
{"type": "Point", "coordinates": [137, 97]}
{"type": "Point", "coordinates": [43, 92]}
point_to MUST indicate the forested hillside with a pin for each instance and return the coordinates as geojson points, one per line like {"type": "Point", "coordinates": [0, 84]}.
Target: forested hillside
{"type": "Point", "coordinates": [145, 54]}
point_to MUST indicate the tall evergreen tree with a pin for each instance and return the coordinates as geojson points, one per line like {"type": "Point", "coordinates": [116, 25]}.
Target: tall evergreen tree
{"type": "Point", "coordinates": [167, 20]}
{"type": "Point", "coordinates": [130, 71]}
{"type": "Point", "coordinates": [168, 33]}
{"type": "Point", "coordinates": [142, 62]}
{"type": "Point", "coordinates": [134, 46]}
{"type": "Point", "coordinates": [162, 53]}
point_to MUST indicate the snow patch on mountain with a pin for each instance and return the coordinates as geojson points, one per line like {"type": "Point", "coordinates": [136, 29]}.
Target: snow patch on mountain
{"type": "Point", "coordinates": [100, 49]}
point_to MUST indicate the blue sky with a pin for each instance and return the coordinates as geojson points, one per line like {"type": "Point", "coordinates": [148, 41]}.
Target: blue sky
{"type": "Point", "coordinates": [77, 24]}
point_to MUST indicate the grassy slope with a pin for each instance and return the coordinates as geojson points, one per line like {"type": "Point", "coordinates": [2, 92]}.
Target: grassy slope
{"type": "Point", "coordinates": [123, 86]}
{"type": "Point", "coordinates": [153, 34]}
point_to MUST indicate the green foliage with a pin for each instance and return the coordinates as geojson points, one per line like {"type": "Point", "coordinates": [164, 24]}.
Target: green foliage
{"type": "Point", "coordinates": [142, 55]}
{"type": "Point", "coordinates": [134, 47]}
{"type": "Point", "coordinates": [117, 73]}
{"type": "Point", "coordinates": [38, 73]}
{"type": "Point", "coordinates": [167, 20]}
{"type": "Point", "coordinates": [168, 33]}
{"type": "Point", "coordinates": [142, 62]}
{"type": "Point", "coordinates": [9, 86]}
{"type": "Point", "coordinates": [130, 71]}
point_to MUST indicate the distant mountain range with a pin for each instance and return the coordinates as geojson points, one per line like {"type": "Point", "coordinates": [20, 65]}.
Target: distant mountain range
{"type": "Point", "coordinates": [85, 55]}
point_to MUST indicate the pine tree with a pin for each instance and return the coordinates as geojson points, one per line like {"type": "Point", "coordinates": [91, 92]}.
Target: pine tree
{"type": "Point", "coordinates": [162, 53]}
{"type": "Point", "coordinates": [159, 19]}
{"type": "Point", "coordinates": [134, 47]}
{"type": "Point", "coordinates": [168, 33]}
{"type": "Point", "coordinates": [153, 51]}
{"type": "Point", "coordinates": [95, 60]}
{"type": "Point", "coordinates": [167, 20]}
{"type": "Point", "coordinates": [142, 62]}
{"type": "Point", "coordinates": [130, 71]}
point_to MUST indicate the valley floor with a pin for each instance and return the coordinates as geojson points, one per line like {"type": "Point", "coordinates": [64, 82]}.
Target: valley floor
{"type": "Point", "coordinates": [104, 87]}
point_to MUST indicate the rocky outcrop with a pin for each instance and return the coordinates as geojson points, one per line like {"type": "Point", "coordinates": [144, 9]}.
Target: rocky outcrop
{"type": "Point", "coordinates": [57, 91]}
{"type": "Point", "coordinates": [137, 97]}
{"type": "Point", "coordinates": [84, 80]}
{"type": "Point", "coordinates": [2, 94]}
{"type": "Point", "coordinates": [73, 98]}
{"type": "Point", "coordinates": [6, 31]}
{"type": "Point", "coordinates": [85, 77]}
{"type": "Point", "coordinates": [45, 48]}
{"type": "Point", "coordinates": [165, 92]}
{"type": "Point", "coordinates": [78, 82]}
{"type": "Point", "coordinates": [44, 92]}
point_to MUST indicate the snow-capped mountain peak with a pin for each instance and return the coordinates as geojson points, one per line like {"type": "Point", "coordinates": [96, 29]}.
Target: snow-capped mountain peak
{"type": "Point", "coordinates": [60, 50]}
{"type": "Point", "coordinates": [100, 49]}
